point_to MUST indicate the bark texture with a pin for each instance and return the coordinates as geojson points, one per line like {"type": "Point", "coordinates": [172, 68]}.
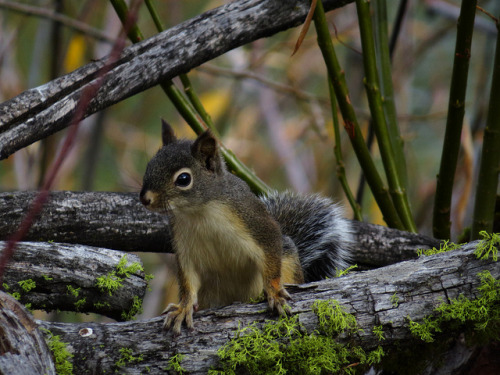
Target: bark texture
{"type": "Point", "coordinates": [143, 65]}
{"type": "Point", "coordinates": [22, 347]}
{"type": "Point", "coordinates": [419, 285]}
{"type": "Point", "coordinates": [54, 276]}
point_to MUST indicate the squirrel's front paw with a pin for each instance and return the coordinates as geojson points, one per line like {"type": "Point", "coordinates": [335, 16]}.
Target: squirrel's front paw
{"type": "Point", "coordinates": [277, 301]}
{"type": "Point", "coordinates": [178, 313]}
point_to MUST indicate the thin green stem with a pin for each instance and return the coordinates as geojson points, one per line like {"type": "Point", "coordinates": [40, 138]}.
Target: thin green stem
{"type": "Point", "coordinates": [336, 73]}
{"type": "Point", "coordinates": [196, 102]}
{"type": "Point", "coordinates": [386, 88]}
{"type": "Point", "coordinates": [338, 156]}
{"type": "Point", "coordinates": [186, 83]}
{"type": "Point", "coordinates": [397, 191]}
{"type": "Point", "coordinates": [486, 192]}
{"type": "Point", "coordinates": [190, 115]}
{"type": "Point", "coordinates": [154, 15]}
{"type": "Point", "coordinates": [195, 119]}
{"type": "Point", "coordinates": [456, 109]}
{"type": "Point", "coordinates": [121, 9]}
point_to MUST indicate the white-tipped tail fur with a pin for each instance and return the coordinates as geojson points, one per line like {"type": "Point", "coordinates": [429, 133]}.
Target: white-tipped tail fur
{"type": "Point", "coordinates": [317, 227]}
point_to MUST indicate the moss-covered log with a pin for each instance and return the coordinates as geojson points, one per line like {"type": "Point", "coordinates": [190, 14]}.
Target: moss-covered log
{"type": "Point", "coordinates": [383, 301]}
{"type": "Point", "coordinates": [53, 276]}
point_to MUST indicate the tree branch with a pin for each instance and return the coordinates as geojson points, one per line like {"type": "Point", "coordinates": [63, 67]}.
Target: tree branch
{"type": "Point", "coordinates": [51, 276]}
{"type": "Point", "coordinates": [119, 221]}
{"type": "Point", "coordinates": [420, 286]}
{"type": "Point", "coordinates": [22, 347]}
{"type": "Point", "coordinates": [50, 14]}
{"type": "Point", "coordinates": [145, 64]}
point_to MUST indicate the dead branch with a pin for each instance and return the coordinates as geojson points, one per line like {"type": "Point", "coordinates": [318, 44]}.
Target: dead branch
{"type": "Point", "coordinates": [54, 276]}
{"type": "Point", "coordinates": [419, 285]}
{"type": "Point", "coordinates": [119, 221]}
{"type": "Point", "coordinates": [22, 347]}
{"type": "Point", "coordinates": [46, 109]}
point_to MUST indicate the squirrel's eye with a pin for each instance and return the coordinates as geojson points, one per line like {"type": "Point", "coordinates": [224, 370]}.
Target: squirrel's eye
{"type": "Point", "coordinates": [183, 178]}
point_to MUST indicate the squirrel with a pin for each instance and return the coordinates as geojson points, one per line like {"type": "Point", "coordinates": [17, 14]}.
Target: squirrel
{"type": "Point", "coordinates": [231, 245]}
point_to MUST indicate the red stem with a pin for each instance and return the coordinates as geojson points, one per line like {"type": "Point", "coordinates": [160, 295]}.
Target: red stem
{"type": "Point", "coordinates": [87, 94]}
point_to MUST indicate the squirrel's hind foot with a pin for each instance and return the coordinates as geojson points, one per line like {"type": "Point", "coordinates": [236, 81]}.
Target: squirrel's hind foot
{"type": "Point", "coordinates": [176, 314]}
{"type": "Point", "coordinates": [276, 301]}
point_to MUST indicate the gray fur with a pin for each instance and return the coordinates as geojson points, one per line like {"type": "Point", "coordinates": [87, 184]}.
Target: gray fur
{"type": "Point", "coordinates": [316, 225]}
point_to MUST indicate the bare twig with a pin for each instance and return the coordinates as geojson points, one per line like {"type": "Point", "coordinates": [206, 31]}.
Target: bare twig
{"type": "Point", "coordinates": [37, 205]}
{"type": "Point", "coordinates": [79, 26]}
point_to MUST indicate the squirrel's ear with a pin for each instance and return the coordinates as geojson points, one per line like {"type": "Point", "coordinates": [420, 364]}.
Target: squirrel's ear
{"type": "Point", "coordinates": [167, 133]}
{"type": "Point", "coordinates": [206, 150]}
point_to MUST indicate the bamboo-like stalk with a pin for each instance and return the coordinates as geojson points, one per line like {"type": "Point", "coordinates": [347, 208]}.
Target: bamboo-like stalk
{"type": "Point", "coordinates": [369, 141]}
{"type": "Point", "coordinates": [386, 88]}
{"type": "Point", "coordinates": [336, 73]}
{"type": "Point", "coordinates": [338, 155]}
{"type": "Point", "coordinates": [191, 117]}
{"type": "Point", "coordinates": [186, 82]}
{"type": "Point", "coordinates": [187, 109]}
{"type": "Point", "coordinates": [371, 81]}
{"type": "Point", "coordinates": [456, 109]}
{"type": "Point", "coordinates": [154, 15]}
{"type": "Point", "coordinates": [486, 192]}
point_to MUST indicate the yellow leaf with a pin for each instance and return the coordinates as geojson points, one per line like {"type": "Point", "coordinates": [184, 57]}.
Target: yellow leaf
{"type": "Point", "coordinates": [216, 102]}
{"type": "Point", "coordinates": [75, 55]}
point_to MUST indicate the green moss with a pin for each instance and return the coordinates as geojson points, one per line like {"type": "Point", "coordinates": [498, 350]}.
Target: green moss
{"type": "Point", "coordinates": [5, 286]}
{"type": "Point", "coordinates": [488, 246]}
{"type": "Point", "coordinates": [134, 310]}
{"type": "Point", "coordinates": [109, 283]}
{"type": "Point", "coordinates": [47, 278]}
{"type": "Point", "coordinates": [333, 319]}
{"type": "Point", "coordinates": [148, 277]}
{"type": "Point", "coordinates": [444, 247]}
{"type": "Point", "coordinates": [260, 298]}
{"type": "Point", "coordinates": [395, 300]}
{"type": "Point", "coordinates": [61, 354]}
{"type": "Point", "coordinates": [113, 280]}
{"type": "Point", "coordinates": [340, 273]}
{"type": "Point", "coordinates": [127, 357]}
{"type": "Point", "coordinates": [27, 285]}
{"type": "Point", "coordinates": [16, 295]}
{"type": "Point", "coordinates": [102, 305]}
{"type": "Point", "coordinates": [174, 364]}
{"type": "Point", "coordinates": [123, 270]}
{"type": "Point", "coordinates": [425, 330]}
{"type": "Point", "coordinates": [285, 346]}
{"type": "Point", "coordinates": [80, 303]}
{"type": "Point", "coordinates": [73, 291]}
{"type": "Point", "coordinates": [379, 332]}
{"type": "Point", "coordinates": [481, 313]}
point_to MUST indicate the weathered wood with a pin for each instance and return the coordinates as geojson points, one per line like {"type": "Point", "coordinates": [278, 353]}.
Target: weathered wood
{"type": "Point", "coordinates": [379, 246]}
{"type": "Point", "coordinates": [46, 109]}
{"type": "Point", "coordinates": [23, 349]}
{"type": "Point", "coordinates": [119, 221]}
{"type": "Point", "coordinates": [64, 277]}
{"type": "Point", "coordinates": [419, 285]}
{"type": "Point", "coordinates": [111, 220]}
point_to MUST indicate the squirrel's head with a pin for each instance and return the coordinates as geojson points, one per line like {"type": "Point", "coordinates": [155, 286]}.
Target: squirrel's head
{"type": "Point", "coordinates": [182, 172]}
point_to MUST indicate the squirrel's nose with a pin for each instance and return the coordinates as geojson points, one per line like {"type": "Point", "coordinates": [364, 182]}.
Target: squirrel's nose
{"type": "Point", "coordinates": [145, 198]}
{"type": "Point", "coordinates": [145, 201]}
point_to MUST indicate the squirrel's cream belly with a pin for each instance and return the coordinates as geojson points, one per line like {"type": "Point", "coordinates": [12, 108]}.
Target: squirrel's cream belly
{"type": "Point", "coordinates": [226, 262]}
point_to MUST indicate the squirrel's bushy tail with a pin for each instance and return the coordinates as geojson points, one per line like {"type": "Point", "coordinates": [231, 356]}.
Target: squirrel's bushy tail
{"type": "Point", "coordinates": [315, 224]}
